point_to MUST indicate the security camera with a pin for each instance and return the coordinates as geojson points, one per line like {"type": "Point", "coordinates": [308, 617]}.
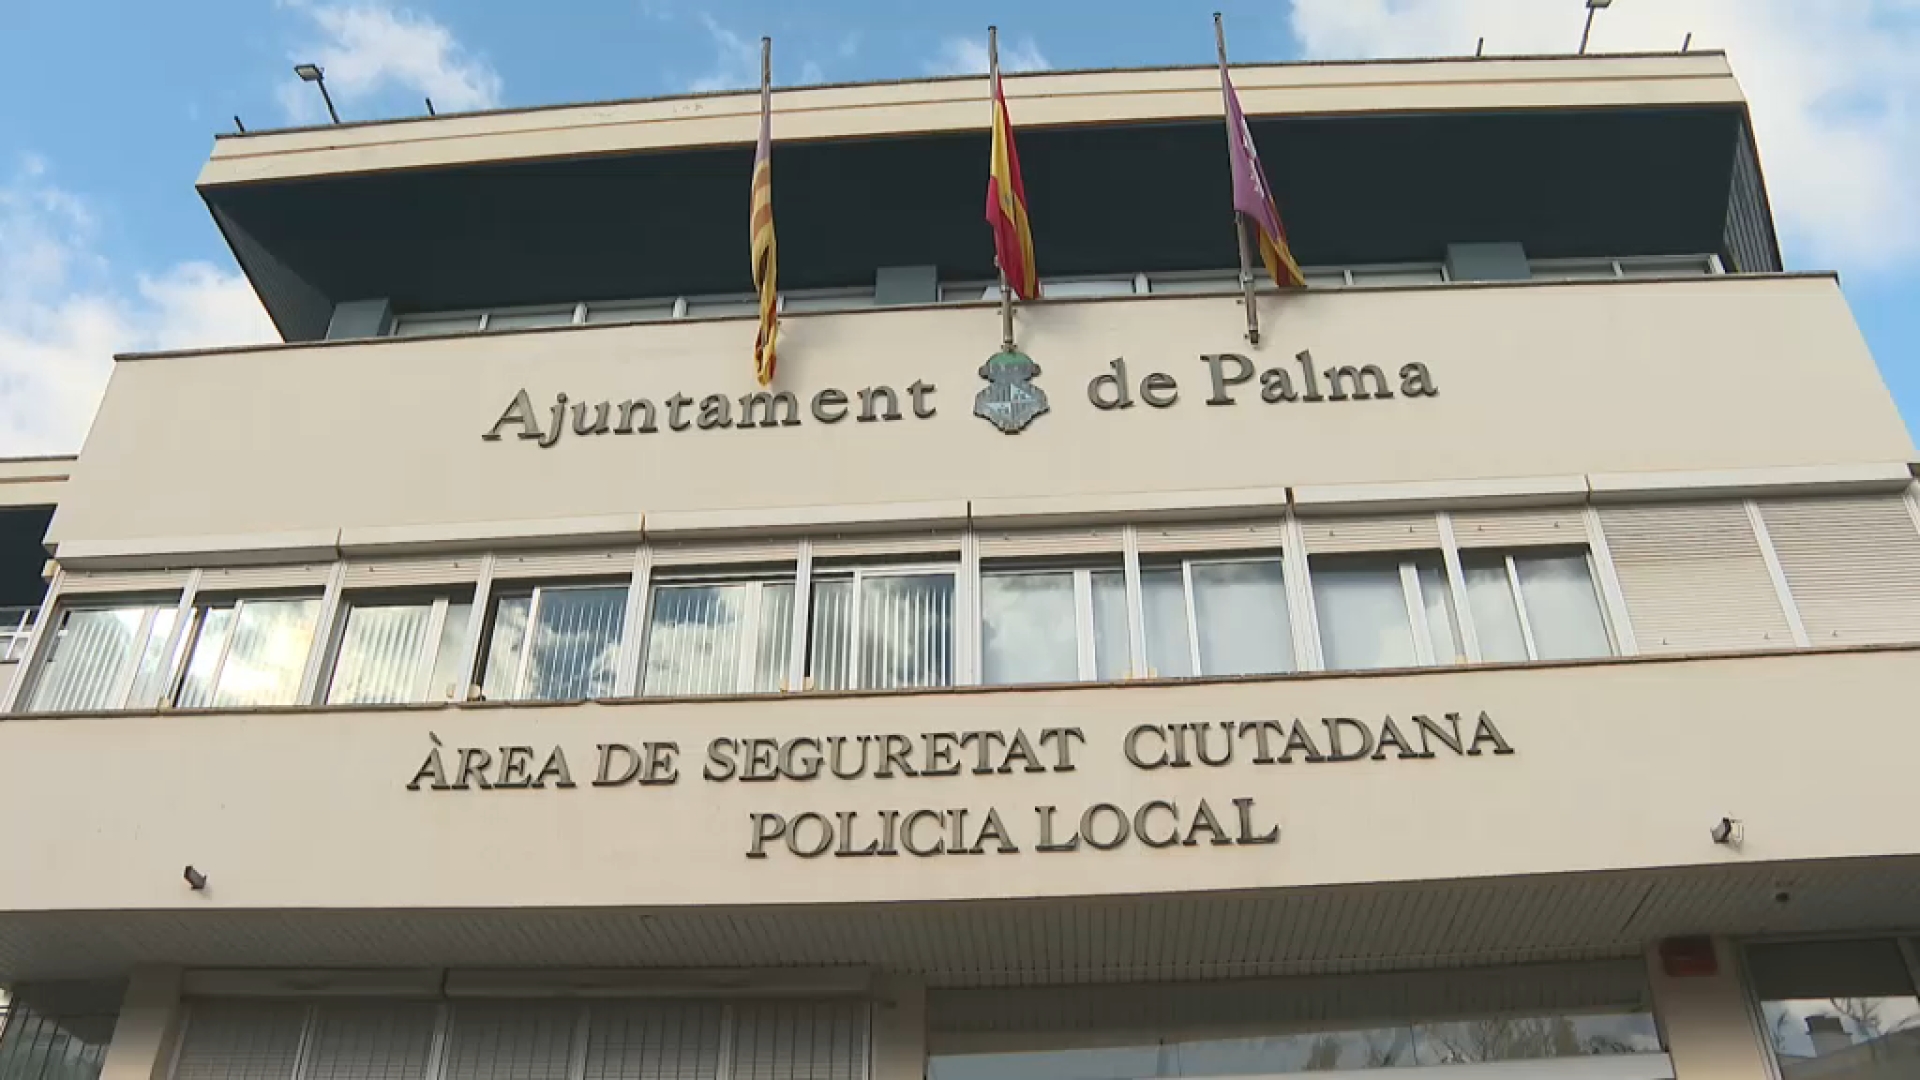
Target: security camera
{"type": "Point", "coordinates": [1729, 832]}
{"type": "Point", "coordinates": [195, 879]}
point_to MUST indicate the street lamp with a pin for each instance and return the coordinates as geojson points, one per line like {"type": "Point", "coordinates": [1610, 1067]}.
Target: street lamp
{"type": "Point", "coordinates": [1592, 6]}
{"type": "Point", "coordinates": [312, 73]}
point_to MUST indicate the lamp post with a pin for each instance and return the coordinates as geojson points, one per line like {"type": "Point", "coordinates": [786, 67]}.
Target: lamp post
{"type": "Point", "coordinates": [312, 73]}
{"type": "Point", "coordinates": [1592, 6]}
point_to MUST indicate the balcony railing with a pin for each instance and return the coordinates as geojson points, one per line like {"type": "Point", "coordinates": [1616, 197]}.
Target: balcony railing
{"type": "Point", "coordinates": [16, 627]}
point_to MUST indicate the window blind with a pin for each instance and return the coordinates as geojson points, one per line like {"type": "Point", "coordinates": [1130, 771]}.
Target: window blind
{"type": "Point", "coordinates": [647, 1041]}
{"type": "Point", "coordinates": [241, 1040]}
{"type": "Point", "coordinates": [801, 1041]}
{"type": "Point", "coordinates": [1694, 578]}
{"type": "Point", "coordinates": [510, 1041]}
{"type": "Point", "coordinates": [386, 1040]}
{"type": "Point", "coordinates": [1852, 565]}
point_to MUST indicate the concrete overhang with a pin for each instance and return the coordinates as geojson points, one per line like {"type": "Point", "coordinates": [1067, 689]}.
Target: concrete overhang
{"type": "Point", "coordinates": [1125, 170]}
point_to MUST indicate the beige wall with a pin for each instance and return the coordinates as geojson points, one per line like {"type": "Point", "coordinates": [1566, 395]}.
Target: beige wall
{"type": "Point", "coordinates": [1620, 765]}
{"type": "Point", "coordinates": [959, 105]}
{"type": "Point", "coordinates": [193, 451]}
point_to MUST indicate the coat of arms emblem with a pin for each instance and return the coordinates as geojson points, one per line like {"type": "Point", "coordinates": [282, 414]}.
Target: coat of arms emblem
{"type": "Point", "coordinates": [1009, 401]}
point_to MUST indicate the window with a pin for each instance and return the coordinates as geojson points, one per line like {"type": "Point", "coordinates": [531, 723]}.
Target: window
{"type": "Point", "coordinates": [1838, 1010]}
{"type": "Point", "coordinates": [554, 643]}
{"type": "Point", "coordinates": [1068, 288]}
{"type": "Point", "coordinates": [825, 300]}
{"type": "Point", "coordinates": [16, 630]}
{"type": "Point", "coordinates": [1329, 1023]}
{"type": "Point", "coordinates": [248, 653]}
{"type": "Point", "coordinates": [1385, 613]}
{"type": "Point", "coordinates": [712, 307]}
{"type": "Point", "coordinates": [1407, 274]}
{"type": "Point", "coordinates": [105, 657]}
{"type": "Point", "coordinates": [1044, 625]}
{"type": "Point", "coordinates": [523, 318]}
{"type": "Point", "coordinates": [395, 650]}
{"type": "Point", "coordinates": [881, 629]}
{"type": "Point", "coordinates": [727, 637]}
{"type": "Point", "coordinates": [1535, 606]}
{"type": "Point", "coordinates": [1215, 617]}
{"type": "Point", "coordinates": [1187, 284]}
{"type": "Point", "coordinates": [424, 323]}
{"type": "Point", "coordinates": [625, 311]}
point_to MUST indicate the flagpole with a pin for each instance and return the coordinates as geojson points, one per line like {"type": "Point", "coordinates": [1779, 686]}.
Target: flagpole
{"type": "Point", "coordinates": [1239, 219]}
{"type": "Point", "coordinates": [766, 75]}
{"type": "Point", "coordinates": [1006, 294]}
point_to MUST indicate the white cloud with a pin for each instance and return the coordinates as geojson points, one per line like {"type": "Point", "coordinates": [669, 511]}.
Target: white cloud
{"type": "Point", "coordinates": [369, 49]}
{"type": "Point", "coordinates": [1834, 88]}
{"type": "Point", "coordinates": [736, 61]}
{"type": "Point", "coordinates": [61, 320]}
{"type": "Point", "coordinates": [968, 56]}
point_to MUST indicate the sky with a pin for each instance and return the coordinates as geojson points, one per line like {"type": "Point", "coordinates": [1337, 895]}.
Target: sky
{"type": "Point", "coordinates": [108, 109]}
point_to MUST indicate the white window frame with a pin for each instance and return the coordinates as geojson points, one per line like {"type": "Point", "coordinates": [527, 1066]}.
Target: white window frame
{"type": "Point", "coordinates": [1087, 662]}
{"type": "Point", "coordinates": [859, 573]}
{"type": "Point", "coordinates": [32, 666]}
{"type": "Point", "coordinates": [195, 624]}
{"type": "Point", "coordinates": [536, 591]}
{"type": "Point", "coordinates": [746, 666]}
{"type": "Point", "coordinates": [437, 598]}
{"type": "Point", "coordinates": [1412, 597]}
{"type": "Point", "coordinates": [1137, 602]}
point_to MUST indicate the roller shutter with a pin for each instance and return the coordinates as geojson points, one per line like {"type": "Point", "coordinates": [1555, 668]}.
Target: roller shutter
{"type": "Point", "coordinates": [1694, 578]}
{"type": "Point", "coordinates": [1852, 565]}
{"type": "Point", "coordinates": [1397, 532]}
{"type": "Point", "coordinates": [1047, 543]}
{"type": "Point", "coordinates": [607, 563]}
{"type": "Point", "coordinates": [1217, 536]}
{"type": "Point", "coordinates": [1555, 527]}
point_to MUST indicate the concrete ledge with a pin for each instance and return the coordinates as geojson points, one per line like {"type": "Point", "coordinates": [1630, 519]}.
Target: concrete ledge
{"type": "Point", "coordinates": [1127, 508]}
{"type": "Point", "coordinates": [1487, 494]}
{"type": "Point", "coordinates": [470, 535]}
{"type": "Point", "coordinates": [1750, 483]}
{"type": "Point", "coordinates": [170, 552]}
{"type": "Point", "coordinates": [754, 523]}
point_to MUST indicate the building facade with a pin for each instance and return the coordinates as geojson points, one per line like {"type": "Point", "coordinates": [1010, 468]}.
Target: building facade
{"type": "Point", "coordinates": [1498, 670]}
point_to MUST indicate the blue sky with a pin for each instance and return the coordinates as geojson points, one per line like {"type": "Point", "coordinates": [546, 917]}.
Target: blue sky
{"type": "Point", "coordinates": [110, 107]}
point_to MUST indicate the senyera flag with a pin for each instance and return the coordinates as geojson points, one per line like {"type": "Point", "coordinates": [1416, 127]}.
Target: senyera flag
{"type": "Point", "coordinates": [765, 264]}
{"type": "Point", "coordinates": [1007, 206]}
{"type": "Point", "coordinates": [1251, 195]}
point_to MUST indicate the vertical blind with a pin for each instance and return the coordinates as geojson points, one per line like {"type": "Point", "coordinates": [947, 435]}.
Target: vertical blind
{"type": "Point", "coordinates": [508, 1040]}
{"type": "Point", "coordinates": [718, 638]}
{"type": "Point", "coordinates": [883, 632]}
{"type": "Point", "coordinates": [570, 653]}
{"type": "Point", "coordinates": [92, 649]}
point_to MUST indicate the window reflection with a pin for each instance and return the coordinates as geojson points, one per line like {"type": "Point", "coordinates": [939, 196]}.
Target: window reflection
{"type": "Point", "coordinates": [1446, 1042]}
{"type": "Point", "coordinates": [1838, 1010]}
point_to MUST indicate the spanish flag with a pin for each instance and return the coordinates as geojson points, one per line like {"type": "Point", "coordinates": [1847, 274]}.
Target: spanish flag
{"type": "Point", "coordinates": [1007, 205]}
{"type": "Point", "coordinates": [765, 262]}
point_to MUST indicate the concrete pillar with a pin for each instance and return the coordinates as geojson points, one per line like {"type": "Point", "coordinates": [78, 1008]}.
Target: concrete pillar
{"type": "Point", "coordinates": [148, 1027]}
{"type": "Point", "coordinates": [360, 319]}
{"type": "Point", "coordinates": [1710, 1030]}
{"type": "Point", "coordinates": [899, 1029]}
